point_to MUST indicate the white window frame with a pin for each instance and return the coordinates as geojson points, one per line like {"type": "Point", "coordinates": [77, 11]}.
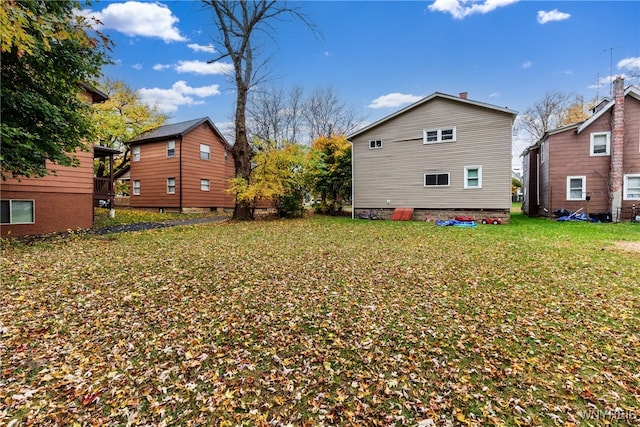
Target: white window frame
{"type": "Point", "coordinates": [171, 148]}
{"type": "Point", "coordinates": [135, 153]}
{"type": "Point", "coordinates": [11, 212]}
{"type": "Point", "coordinates": [626, 195]}
{"type": "Point", "coordinates": [466, 177]}
{"type": "Point", "coordinates": [171, 185]}
{"type": "Point", "coordinates": [375, 144]}
{"type": "Point", "coordinates": [438, 135]}
{"type": "Point", "coordinates": [205, 152]}
{"type": "Point", "coordinates": [205, 185]}
{"type": "Point", "coordinates": [593, 136]}
{"type": "Point", "coordinates": [135, 187]}
{"type": "Point", "coordinates": [437, 185]}
{"type": "Point", "coordinates": [584, 187]}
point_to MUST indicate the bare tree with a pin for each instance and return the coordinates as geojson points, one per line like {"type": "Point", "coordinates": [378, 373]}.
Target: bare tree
{"type": "Point", "coordinates": [548, 113]}
{"type": "Point", "coordinates": [238, 23]}
{"type": "Point", "coordinates": [276, 116]}
{"type": "Point", "coordinates": [326, 115]}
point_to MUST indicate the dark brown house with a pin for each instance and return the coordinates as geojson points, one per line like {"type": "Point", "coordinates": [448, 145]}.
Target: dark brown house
{"type": "Point", "coordinates": [181, 167]}
{"type": "Point", "coordinates": [60, 201]}
{"type": "Point", "coordinates": [592, 166]}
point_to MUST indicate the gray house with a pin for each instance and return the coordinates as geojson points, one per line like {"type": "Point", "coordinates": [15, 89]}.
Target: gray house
{"type": "Point", "coordinates": [441, 156]}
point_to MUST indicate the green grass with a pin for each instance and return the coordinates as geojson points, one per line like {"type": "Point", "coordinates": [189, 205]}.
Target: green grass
{"type": "Point", "coordinates": [132, 216]}
{"type": "Point", "coordinates": [323, 321]}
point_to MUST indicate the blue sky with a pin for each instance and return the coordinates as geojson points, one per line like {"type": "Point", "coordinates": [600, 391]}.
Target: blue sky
{"type": "Point", "coordinates": [378, 56]}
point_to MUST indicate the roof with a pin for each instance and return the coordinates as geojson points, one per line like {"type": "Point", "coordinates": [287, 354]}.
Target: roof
{"type": "Point", "coordinates": [630, 91]}
{"type": "Point", "coordinates": [101, 151]}
{"type": "Point", "coordinates": [424, 101]}
{"type": "Point", "coordinates": [97, 96]}
{"type": "Point", "coordinates": [176, 130]}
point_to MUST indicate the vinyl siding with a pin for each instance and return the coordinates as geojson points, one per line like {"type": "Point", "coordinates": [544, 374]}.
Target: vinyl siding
{"type": "Point", "coordinates": [395, 172]}
{"type": "Point", "coordinates": [152, 170]}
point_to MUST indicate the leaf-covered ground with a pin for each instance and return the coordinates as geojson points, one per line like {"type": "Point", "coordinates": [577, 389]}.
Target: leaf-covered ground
{"type": "Point", "coordinates": [323, 322]}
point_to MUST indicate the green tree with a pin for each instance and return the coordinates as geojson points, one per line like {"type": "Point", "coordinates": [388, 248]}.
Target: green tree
{"type": "Point", "coordinates": [122, 117]}
{"type": "Point", "coordinates": [239, 24]}
{"type": "Point", "coordinates": [278, 175]}
{"type": "Point", "coordinates": [332, 171]}
{"type": "Point", "coordinates": [48, 53]}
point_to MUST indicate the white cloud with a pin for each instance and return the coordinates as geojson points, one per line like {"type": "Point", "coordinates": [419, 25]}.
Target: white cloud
{"type": "Point", "coordinates": [137, 66]}
{"type": "Point", "coordinates": [495, 95]}
{"type": "Point", "coordinates": [552, 15]}
{"type": "Point", "coordinates": [630, 63]}
{"type": "Point", "coordinates": [460, 9]}
{"type": "Point", "coordinates": [526, 65]}
{"type": "Point", "coordinates": [200, 48]}
{"type": "Point", "coordinates": [160, 67]}
{"type": "Point", "coordinates": [393, 100]}
{"type": "Point", "coordinates": [202, 67]}
{"type": "Point", "coordinates": [168, 100]}
{"type": "Point", "coordinates": [139, 19]}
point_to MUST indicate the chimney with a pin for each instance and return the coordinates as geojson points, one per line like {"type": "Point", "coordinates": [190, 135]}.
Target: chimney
{"type": "Point", "coordinates": [617, 147]}
{"type": "Point", "coordinates": [463, 95]}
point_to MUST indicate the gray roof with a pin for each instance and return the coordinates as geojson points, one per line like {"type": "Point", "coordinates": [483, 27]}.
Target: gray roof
{"type": "Point", "coordinates": [176, 130]}
{"type": "Point", "coordinates": [427, 99]}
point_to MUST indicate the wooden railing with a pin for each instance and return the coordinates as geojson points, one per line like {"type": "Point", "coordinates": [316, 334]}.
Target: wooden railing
{"type": "Point", "coordinates": [102, 186]}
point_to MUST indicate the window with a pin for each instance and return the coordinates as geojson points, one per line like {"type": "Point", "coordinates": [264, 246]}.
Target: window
{"type": "Point", "coordinates": [205, 152]}
{"type": "Point", "coordinates": [434, 136]}
{"type": "Point", "coordinates": [375, 143]}
{"type": "Point", "coordinates": [171, 186]}
{"type": "Point", "coordinates": [632, 187]}
{"type": "Point", "coordinates": [473, 177]}
{"type": "Point", "coordinates": [136, 188]}
{"type": "Point", "coordinates": [136, 153]}
{"type": "Point", "coordinates": [576, 187]}
{"type": "Point", "coordinates": [204, 185]}
{"type": "Point", "coordinates": [600, 143]}
{"type": "Point", "coordinates": [171, 148]}
{"type": "Point", "coordinates": [436, 180]}
{"type": "Point", "coordinates": [17, 212]}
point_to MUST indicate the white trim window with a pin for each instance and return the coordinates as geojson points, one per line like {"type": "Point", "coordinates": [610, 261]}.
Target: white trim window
{"type": "Point", "coordinates": [204, 185]}
{"type": "Point", "coordinates": [600, 144]}
{"type": "Point", "coordinates": [135, 153]}
{"type": "Point", "coordinates": [436, 136]}
{"type": "Point", "coordinates": [436, 179]}
{"type": "Point", "coordinates": [205, 152]}
{"type": "Point", "coordinates": [17, 212]}
{"type": "Point", "coordinates": [171, 148]}
{"type": "Point", "coordinates": [631, 187]}
{"type": "Point", "coordinates": [472, 177]}
{"type": "Point", "coordinates": [375, 144]}
{"type": "Point", "coordinates": [576, 188]}
{"type": "Point", "coordinates": [136, 187]}
{"type": "Point", "coordinates": [171, 186]}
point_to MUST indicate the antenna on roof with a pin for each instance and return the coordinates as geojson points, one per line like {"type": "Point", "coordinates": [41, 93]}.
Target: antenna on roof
{"type": "Point", "coordinates": [610, 49]}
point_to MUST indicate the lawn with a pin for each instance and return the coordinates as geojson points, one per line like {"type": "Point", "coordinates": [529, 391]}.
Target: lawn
{"type": "Point", "coordinates": [324, 321]}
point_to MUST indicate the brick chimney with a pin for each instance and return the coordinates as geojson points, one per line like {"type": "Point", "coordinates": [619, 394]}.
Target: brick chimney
{"type": "Point", "coordinates": [463, 95]}
{"type": "Point", "coordinates": [617, 147]}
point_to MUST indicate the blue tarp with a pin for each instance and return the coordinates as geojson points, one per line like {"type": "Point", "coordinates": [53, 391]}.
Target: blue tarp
{"type": "Point", "coordinates": [455, 223]}
{"type": "Point", "coordinates": [577, 217]}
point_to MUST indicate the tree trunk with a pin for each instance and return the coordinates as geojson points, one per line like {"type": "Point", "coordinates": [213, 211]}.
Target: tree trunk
{"type": "Point", "coordinates": [242, 154]}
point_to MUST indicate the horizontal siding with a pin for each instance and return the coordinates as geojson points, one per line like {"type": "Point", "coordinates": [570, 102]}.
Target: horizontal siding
{"type": "Point", "coordinates": [62, 179]}
{"type": "Point", "coordinates": [154, 168]}
{"type": "Point", "coordinates": [631, 141]}
{"type": "Point", "coordinates": [395, 173]}
{"type": "Point", "coordinates": [569, 155]}
{"type": "Point", "coordinates": [218, 170]}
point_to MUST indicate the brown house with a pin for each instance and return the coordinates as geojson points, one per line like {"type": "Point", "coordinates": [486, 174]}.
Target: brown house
{"type": "Point", "coordinates": [60, 201]}
{"type": "Point", "coordinates": [592, 165]}
{"type": "Point", "coordinates": [181, 167]}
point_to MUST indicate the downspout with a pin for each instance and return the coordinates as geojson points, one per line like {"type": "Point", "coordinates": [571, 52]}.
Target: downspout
{"type": "Point", "coordinates": [180, 174]}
